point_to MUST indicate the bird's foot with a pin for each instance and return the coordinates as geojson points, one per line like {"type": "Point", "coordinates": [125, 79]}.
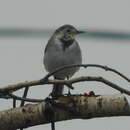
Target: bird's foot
{"type": "Point", "coordinates": [91, 93]}
{"type": "Point", "coordinates": [55, 96]}
{"type": "Point", "coordinates": [69, 93]}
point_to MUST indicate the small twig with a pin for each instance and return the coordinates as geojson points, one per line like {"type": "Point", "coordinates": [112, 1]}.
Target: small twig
{"type": "Point", "coordinates": [9, 89]}
{"type": "Point", "coordinates": [24, 95]}
{"type": "Point", "coordinates": [24, 99]}
{"type": "Point", "coordinates": [14, 102]}
{"type": "Point", "coordinates": [15, 87]}
{"type": "Point", "coordinates": [88, 78]}
{"type": "Point", "coordinates": [4, 96]}
{"type": "Point", "coordinates": [83, 78]}
{"type": "Point", "coordinates": [75, 80]}
{"type": "Point", "coordinates": [106, 68]}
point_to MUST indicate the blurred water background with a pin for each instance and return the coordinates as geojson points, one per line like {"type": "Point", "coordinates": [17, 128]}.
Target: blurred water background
{"type": "Point", "coordinates": [25, 28]}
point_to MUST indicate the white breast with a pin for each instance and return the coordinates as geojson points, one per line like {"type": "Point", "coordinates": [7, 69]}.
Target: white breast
{"type": "Point", "coordinates": [55, 57]}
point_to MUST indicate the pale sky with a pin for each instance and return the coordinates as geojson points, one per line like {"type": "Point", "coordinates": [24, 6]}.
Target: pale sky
{"type": "Point", "coordinates": [21, 58]}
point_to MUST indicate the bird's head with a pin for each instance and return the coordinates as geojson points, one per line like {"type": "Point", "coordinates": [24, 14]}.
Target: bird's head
{"type": "Point", "coordinates": [67, 32]}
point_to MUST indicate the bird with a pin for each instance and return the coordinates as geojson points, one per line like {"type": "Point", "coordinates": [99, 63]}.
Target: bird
{"type": "Point", "coordinates": [62, 49]}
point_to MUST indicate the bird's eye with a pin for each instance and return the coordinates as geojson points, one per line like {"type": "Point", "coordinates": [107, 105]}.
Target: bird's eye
{"type": "Point", "coordinates": [68, 31]}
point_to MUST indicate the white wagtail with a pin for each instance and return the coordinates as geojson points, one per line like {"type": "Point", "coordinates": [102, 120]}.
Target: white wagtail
{"type": "Point", "coordinates": [62, 49]}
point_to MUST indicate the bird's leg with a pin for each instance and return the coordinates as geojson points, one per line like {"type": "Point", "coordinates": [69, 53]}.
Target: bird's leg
{"type": "Point", "coordinates": [57, 90]}
{"type": "Point", "coordinates": [69, 93]}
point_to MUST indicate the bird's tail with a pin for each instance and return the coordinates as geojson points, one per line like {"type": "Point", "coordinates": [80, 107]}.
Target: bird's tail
{"type": "Point", "coordinates": [57, 90]}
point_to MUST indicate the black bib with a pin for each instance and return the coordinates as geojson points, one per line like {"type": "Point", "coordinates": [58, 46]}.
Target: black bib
{"type": "Point", "coordinates": [66, 43]}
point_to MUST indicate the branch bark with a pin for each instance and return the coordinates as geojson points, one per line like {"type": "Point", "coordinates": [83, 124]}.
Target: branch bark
{"type": "Point", "coordinates": [45, 80]}
{"type": "Point", "coordinates": [66, 108]}
{"type": "Point", "coordinates": [11, 88]}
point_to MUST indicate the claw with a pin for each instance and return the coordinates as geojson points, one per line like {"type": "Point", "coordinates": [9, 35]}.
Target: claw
{"type": "Point", "coordinates": [91, 93]}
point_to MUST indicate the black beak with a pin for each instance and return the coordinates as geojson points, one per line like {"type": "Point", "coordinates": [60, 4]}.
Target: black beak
{"type": "Point", "coordinates": [79, 32]}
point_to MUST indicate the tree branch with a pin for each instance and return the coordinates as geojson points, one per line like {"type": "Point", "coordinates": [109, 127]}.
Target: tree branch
{"type": "Point", "coordinates": [15, 87]}
{"type": "Point", "coordinates": [11, 88]}
{"type": "Point", "coordinates": [106, 68]}
{"type": "Point", "coordinates": [66, 108]}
